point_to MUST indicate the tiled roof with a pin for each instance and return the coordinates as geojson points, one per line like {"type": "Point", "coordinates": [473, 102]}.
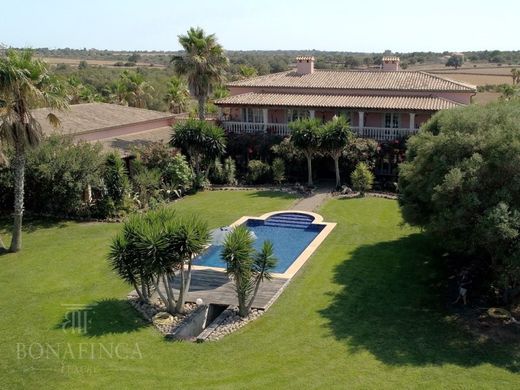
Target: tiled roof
{"type": "Point", "coordinates": [338, 101]}
{"type": "Point", "coordinates": [80, 118]}
{"type": "Point", "coordinates": [391, 58]}
{"type": "Point", "coordinates": [357, 80]}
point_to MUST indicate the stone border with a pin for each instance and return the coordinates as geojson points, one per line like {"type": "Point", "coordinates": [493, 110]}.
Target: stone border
{"type": "Point", "coordinates": [304, 256]}
{"type": "Point", "coordinates": [353, 195]}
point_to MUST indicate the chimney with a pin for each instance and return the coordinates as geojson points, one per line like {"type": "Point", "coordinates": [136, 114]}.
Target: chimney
{"type": "Point", "coordinates": [391, 63]}
{"type": "Point", "coordinates": [305, 65]}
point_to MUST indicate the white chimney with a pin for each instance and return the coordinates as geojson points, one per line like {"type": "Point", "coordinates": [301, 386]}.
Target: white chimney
{"type": "Point", "coordinates": [391, 63]}
{"type": "Point", "coordinates": [305, 65]}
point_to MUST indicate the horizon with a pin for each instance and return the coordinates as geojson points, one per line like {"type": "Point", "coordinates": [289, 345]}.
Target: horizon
{"type": "Point", "coordinates": [335, 27]}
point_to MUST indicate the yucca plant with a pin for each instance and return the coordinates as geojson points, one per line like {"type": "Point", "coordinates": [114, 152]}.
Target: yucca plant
{"type": "Point", "coordinates": [246, 268]}
{"type": "Point", "coordinates": [189, 238]}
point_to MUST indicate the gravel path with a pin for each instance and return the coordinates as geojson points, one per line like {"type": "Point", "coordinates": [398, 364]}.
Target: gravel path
{"type": "Point", "coordinates": [313, 202]}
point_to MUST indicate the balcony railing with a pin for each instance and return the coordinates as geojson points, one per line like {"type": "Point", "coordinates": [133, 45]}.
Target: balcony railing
{"type": "Point", "coordinates": [246, 127]}
{"type": "Point", "coordinates": [383, 133]}
{"type": "Point", "coordinates": [377, 133]}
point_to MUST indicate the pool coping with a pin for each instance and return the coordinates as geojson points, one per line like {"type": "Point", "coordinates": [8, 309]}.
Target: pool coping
{"type": "Point", "coordinates": [304, 256]}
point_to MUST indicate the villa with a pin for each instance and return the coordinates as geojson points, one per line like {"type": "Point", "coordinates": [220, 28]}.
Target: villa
{"type": "Point", "coordinates": [385, 104]}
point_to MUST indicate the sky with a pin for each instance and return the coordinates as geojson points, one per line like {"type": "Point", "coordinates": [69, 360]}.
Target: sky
{"type": "Point", "coordinates": [336, 25]}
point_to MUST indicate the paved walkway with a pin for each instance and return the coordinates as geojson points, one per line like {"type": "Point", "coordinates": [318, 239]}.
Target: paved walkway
{"type": "Point", "coordinates": [313, 202]}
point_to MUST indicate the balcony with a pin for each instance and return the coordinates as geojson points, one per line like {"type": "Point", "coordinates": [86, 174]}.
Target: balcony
{"type": "Point", "coordinates": [282, 129]}
{"type": "Point", "coordinates": [246, 127]}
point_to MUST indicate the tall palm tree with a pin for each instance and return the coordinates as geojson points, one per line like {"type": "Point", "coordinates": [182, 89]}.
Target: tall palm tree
{"type": "Point", "coordinates": [177, 95]}
{"type": "Point", "coordinates": [203, 63]}
{"type": "Point", "coordinates": [25, 83]}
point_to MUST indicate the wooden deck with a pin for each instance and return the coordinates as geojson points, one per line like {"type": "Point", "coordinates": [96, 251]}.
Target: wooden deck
{"type": "Point", "coordinates": [215, 287]}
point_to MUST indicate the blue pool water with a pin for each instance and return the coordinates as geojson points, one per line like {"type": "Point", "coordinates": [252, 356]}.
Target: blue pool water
{"type": "Point", "coordinates": [290, 234]}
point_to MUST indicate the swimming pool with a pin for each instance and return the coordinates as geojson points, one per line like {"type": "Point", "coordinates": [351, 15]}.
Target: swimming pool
{"type": "Point", "coordinates": [290, 233]}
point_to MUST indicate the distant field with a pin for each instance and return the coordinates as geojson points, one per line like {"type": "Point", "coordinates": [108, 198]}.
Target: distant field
{"type": "Point", "coordinates": [481, 74]}
{"type": "Point", "coordinates": [479, 79]}
{"type": "Point", "coordinates": [76, 61]}
{"type": "Point", "coordinates": [486, 97]}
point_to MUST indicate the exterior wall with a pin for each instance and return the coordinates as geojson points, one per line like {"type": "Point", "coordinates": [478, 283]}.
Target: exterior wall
{"type": "Point", "coordinates": [116, 131]}
{"type": "Point", "coordinates": [325, 115]}
{"type": "Point", "coordinates": [277, 115]}
{"type": "Point", "coordinates": [305, 66]}
{"type": "Point", "coordinates": [459, 97]}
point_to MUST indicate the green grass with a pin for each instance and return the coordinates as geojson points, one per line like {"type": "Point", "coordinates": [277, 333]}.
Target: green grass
{"type": "Point", "coordinates": [365, 312]}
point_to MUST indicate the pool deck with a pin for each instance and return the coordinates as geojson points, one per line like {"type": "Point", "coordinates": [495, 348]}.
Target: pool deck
{"type": "Point", "coordinates": [215, 287]}
{"type": "Point", "coordinates": [212, 285]}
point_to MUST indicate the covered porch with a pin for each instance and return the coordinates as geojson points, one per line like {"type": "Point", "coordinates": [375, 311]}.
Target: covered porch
{"type": "Point", "coordinates": [384, 118]}
{"type": "Point", "coordinates": [382, 126]}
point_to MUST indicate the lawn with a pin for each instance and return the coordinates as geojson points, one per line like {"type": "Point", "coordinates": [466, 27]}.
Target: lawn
{"type": "Point", "coordinates": [365, 312]}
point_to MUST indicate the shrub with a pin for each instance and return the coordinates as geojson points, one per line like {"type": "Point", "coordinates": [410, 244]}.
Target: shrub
{"type": "Point", "coordinates": [147, 183]}
{"type": "Point", "coordinates": [462, 184]}
{"type": "Point", "coordinates": [278, 170]}
{"type": "Point", "coordinates": [177, 175]}
{"type": "Point", "coordinates": [224, 173]}
{"type": "Point", "coordinates": [362, 178]}
{"type": "Point", "coordinates": [59, 172]}
{"type": "Point", "coordinates": [115, 179]}
{"type": "Point", "coordinates": [258, 172]}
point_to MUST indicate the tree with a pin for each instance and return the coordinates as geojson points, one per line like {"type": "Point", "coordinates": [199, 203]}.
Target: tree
{"type": "Point", "coordinates": [152, 247]}
{"type": "Point", "coordinates": [455, 61]}
{"type": "Point", "coordinates": [305, 136]}
{"type": "Point", "coordinates": [515, 74]}
{"type": "Point", "coordinates": [25, 83]}
{"type": "Point", "coordinates": [132, 89]}
{"type": "Point", "coordinates": [335, 137]}
{"type": "Point", "coordinates": [177, 95]}
{"type": "Point", "coordinates": [461, 183]}
{"type": "Point", "coordinates": [245, 268]}
{"type": "Point", "coordinates": [201, 141]}
{"type": "Point", "coordinates": [134, 57]}
{"type": "Point", "coordinates": [190, 237]}
{"type": "Point", "coordinates": [203, 63]}
{"type": "Point", "coordinates": [362, 178]}
{"type": "Point", "coordinates": [247, 72]}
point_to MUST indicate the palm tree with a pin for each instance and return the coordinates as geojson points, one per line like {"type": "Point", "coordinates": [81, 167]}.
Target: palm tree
{"type": "Point", "coordinates": [201, 141]}
{"type": "Point", "coordinates": [137, 90]}
{"type": "Point", "coordinates": [246, 268]}
{"type": "Point", "coordinates": [25, 83]}
{"type": "Point", "coordinates": [203, 63]}
{"type": "Point", "coordinates": [131, 89]}
{"type": "Point", "coordinates": [177, 95]}
{"type": "Point", "coordinates": [305, 136]}
{"type": "Point", "coordinates": [334, 138]}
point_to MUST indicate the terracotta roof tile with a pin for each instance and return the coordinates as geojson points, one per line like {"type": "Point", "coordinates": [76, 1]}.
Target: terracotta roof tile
{"type": "Point", "coordinates": [338, 101]}
{"type": "Point", "coordinates": [357, 80]}
{"type": "Point", "coordinates": [95, 116]}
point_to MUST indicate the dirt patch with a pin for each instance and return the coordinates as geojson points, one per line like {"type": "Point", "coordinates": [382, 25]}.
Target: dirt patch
{"type": "Point", "coordinates": [477, 322]}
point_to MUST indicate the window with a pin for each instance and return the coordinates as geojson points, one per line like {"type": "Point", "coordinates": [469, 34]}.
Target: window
{"type": "Point", "coordinates": [253, 115]}
{"type": "Point", "coordinates": [294, 115]}
{"type": "Point", "coordinates": [392, 120]}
